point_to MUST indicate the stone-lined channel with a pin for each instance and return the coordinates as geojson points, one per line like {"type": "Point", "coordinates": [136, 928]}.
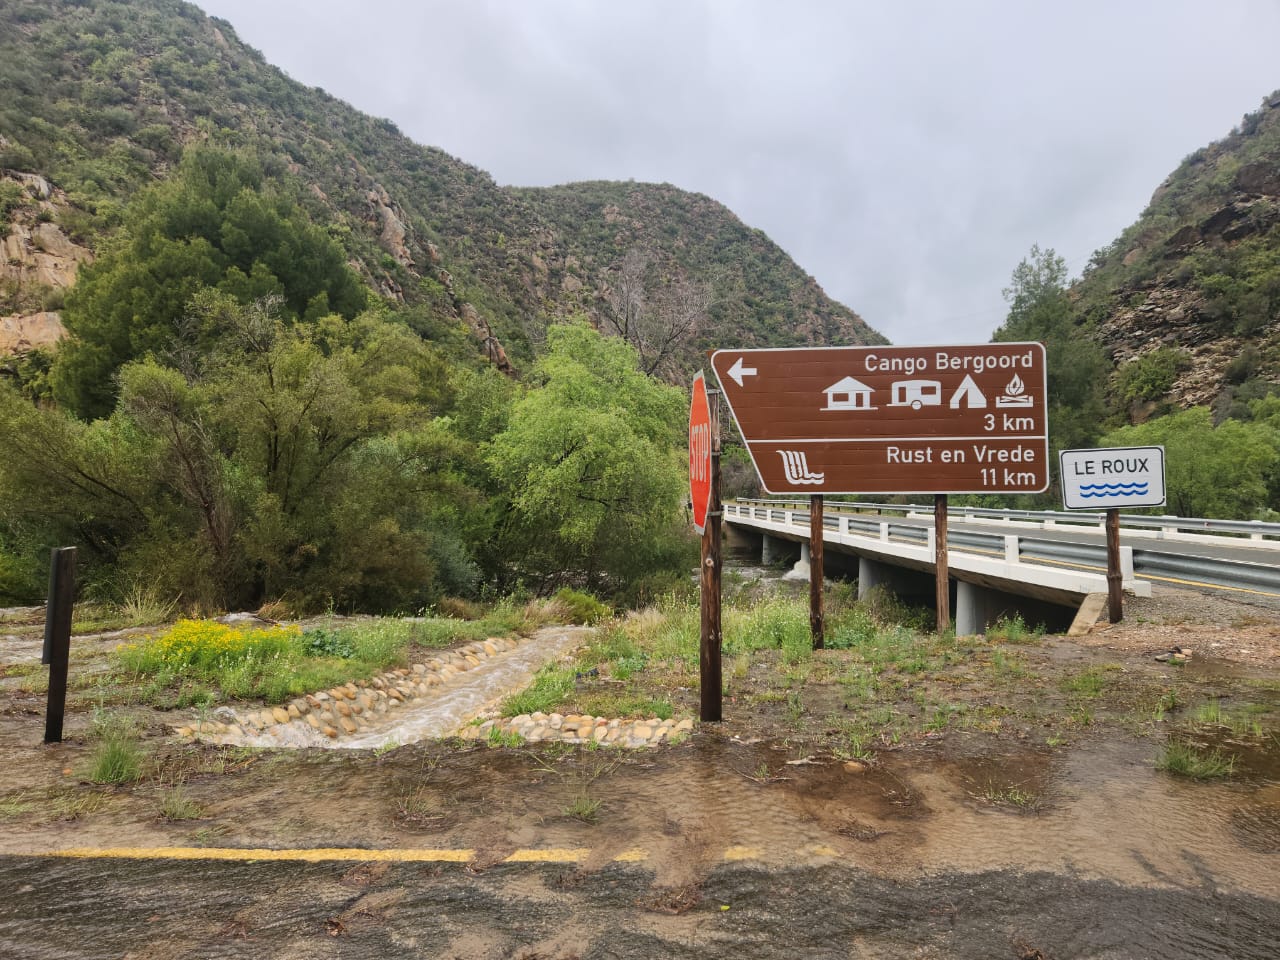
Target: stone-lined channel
{"type": "Point", "coordinates": [439, 697]}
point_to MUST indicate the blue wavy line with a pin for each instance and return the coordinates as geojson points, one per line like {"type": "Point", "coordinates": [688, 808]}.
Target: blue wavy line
{"type": "Point", "coordinates": [1137, 491]}
{"type": "Point", "coordinates": [1114, 487]}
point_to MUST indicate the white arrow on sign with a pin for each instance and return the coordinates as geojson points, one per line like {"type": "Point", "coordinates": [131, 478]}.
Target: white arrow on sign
{"type": "Point", "coordinates": [738, 371]}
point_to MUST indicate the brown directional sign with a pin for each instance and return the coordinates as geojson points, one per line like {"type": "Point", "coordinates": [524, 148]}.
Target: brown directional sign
{"type": "Point", "coordinates": [823, 420]}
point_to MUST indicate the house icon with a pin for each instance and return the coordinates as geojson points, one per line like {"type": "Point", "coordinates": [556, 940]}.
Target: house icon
{"type": "Point", "coordinates": [848, 394]}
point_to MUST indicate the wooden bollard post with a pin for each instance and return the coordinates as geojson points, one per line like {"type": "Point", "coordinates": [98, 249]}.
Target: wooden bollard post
{"type": "Point", "coordinates": [57, 637]}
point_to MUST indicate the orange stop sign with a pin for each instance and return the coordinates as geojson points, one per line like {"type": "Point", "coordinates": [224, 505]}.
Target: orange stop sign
{"type": "Point", "coordinates": [700, 453]}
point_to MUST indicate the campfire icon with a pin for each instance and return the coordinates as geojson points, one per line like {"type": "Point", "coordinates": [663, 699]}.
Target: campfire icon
{"type": "Point", "coordinates": [1015, 394]}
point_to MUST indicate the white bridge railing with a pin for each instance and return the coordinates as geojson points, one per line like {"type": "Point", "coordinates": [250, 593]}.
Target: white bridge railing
{"type": "Point", "coordinates": [1240, 532]}
{"type": "Point", "coordinates": [1020, 554]}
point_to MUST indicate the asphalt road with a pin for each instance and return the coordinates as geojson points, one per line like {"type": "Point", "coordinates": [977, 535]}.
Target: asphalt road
{"type": "Point", "coordinates": [63, 908]}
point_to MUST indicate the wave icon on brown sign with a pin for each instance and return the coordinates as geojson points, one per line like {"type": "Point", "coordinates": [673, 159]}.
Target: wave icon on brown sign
{"type": "Point", "coordinates": [796, 466]}
{"type": "Point", "coordinates": [1015, 394]}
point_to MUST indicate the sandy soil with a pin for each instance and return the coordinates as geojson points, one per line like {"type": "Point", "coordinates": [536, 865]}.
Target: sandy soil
{"type": "Point", "coordinates": [1242, 629]}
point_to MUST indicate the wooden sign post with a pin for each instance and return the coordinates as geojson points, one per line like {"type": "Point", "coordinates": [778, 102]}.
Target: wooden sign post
{"type": "Point", "coordinates": [817, 620]}
{"type": "Point", "coordinates": [940, 562]}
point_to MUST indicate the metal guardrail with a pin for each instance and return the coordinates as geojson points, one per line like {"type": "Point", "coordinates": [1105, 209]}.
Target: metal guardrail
{"type": "Point", "coordinates": [1254, 529]}
{"type": "Point", "coordinates": [1146, 562]}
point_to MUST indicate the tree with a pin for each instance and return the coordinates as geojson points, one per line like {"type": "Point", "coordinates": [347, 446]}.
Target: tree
{"type": "Point", "coordinates": [658, 321]}
{"type": "Point", "coordinates": [1211, 471]}
{"type": "Point", "coordinates": [219, 222]}
{"type": "Point", "coordinates": [592, 463]}
{"type": "Point", "coordinates": [1039, 310]}
{"type": "Point", "coordinates": [297, 461]}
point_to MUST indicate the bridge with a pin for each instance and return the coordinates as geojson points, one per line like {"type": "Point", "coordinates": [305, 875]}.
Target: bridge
{"type": "Point", "coordinates": [1043, 565]}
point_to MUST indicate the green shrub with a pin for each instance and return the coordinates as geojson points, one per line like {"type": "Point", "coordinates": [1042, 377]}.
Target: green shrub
{"type": "Point", "coordinates": [1151, 376]}
{"type": "Point", "coordinates": [581, 607]}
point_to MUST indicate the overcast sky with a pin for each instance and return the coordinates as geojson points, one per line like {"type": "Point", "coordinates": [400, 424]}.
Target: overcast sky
{"type": "Point", "coordinates": [907, 155]}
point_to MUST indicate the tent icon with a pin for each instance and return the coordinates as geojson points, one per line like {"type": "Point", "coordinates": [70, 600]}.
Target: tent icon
{"type": "Point", "coordinates": [968, 395]}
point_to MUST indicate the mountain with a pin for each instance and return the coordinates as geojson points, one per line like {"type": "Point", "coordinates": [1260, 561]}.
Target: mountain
{"type": "Point", "coordinates": [1187, 299]}
{"type": "Point", "coordinates": [101, 97]}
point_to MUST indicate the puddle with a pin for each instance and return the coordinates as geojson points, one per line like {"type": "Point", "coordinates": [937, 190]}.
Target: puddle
{"type": "Point", "coordinates": [1097, 811]}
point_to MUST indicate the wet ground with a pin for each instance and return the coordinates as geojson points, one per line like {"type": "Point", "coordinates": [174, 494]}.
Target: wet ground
{"type": "Point", "coordinates": [740, 841]}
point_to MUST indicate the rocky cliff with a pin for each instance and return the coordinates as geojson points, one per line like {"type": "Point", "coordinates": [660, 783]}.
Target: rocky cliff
{"type": "Point", "coordinates": [38, 262]}
{"type": "Point", "coordinates": [1199, 272]}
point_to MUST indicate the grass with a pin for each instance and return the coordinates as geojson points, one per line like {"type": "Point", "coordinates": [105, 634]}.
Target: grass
{"type": "Point", "coordinates": [75, 804]}
{"type": "Point", "coordinates": [176, 805]}
{"type": "Point", "coordinates": [198, 662]}
{"type": "Point", "coordinates": [1185, 760]}
{"type": "Point", "coordinates": [1014, 630]}
{"type": "Point", "coordinates": [117, 755]}
{"type": "Point", "coordinates": [1089, 683]}
{"type": "Point", "coordinates": [16, 805]}
{"type": "Point", "coordinates": [583, 807]}
{"type": "Point", "coordinates": [1210, 713]}
{"type": "Point", "coordinates": [419, 806]}
{"type": "Point", "coordinates": [1011, 796]}
{"type": "Point", "coordinates": [503, 738]}
{"type": "Point", "coordinates": [550, 686]}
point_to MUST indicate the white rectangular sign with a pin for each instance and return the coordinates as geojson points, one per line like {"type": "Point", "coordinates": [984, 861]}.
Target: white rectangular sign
{"type": "Point", "coordinates": [1101, 479]}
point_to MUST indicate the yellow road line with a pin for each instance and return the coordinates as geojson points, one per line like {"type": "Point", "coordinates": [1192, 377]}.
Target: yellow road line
{"type": "Point", "coordinates": [310, 855]}
{"type": "Point", "coordinates": [363, 855]}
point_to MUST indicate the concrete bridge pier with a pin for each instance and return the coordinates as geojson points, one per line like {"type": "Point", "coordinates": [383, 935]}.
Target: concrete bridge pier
{"type": "Point", "coordinates": [776, 549]}
{"type": "Point", "coordinates": [976, 607]}
{"type": "Point", "coordinates": [898, 580]}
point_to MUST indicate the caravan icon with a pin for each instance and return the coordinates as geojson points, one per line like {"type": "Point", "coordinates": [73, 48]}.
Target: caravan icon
{"type": "Point", "coordinates": [916, 394]}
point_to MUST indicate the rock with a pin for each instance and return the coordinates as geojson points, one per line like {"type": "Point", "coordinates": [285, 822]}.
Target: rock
{"type": "Point", "coordinates": [330, 732]}
{"type": "Point", "coordinates": [21, 334]}
{"type": "Point", "coordinates": [855, 766]}
{"type": "Point", "coordinates": [280, 715]}
{"type": "Point", "coordinates": [348, 725]}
